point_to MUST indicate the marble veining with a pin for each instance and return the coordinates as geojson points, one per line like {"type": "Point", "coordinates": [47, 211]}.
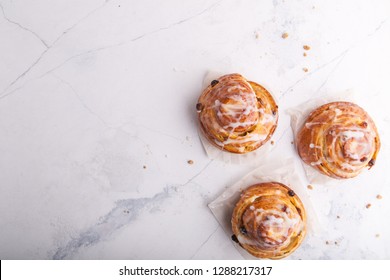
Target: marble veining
{"type": "Point", "coordinates": [100, 153]}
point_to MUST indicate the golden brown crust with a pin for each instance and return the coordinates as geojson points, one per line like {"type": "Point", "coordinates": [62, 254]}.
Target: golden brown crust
{"type": "Point", "coordinates": [339, 139]}
{"type": "Point", "coordinates": [237, 115]}
{"type": "Point", "coordinates": [269, 220]}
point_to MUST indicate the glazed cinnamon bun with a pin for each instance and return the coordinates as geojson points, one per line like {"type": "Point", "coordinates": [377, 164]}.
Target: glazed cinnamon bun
{"type": "Point", "coordinates": [339, 139]}
{"type": "Point", "coordinates": [269, 220]}
{"type": "Point", "coordinates": [237, 115]}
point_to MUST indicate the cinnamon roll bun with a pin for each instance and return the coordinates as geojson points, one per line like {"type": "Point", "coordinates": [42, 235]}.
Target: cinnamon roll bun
{"type": "Point", "coordinates": [269, 220]}
{"type": "Point", "coordinates": [339, 139]}
{"type": "Point", "coordinates": [237, 115]}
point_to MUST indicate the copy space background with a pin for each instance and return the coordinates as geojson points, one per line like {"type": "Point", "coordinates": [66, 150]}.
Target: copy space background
{"type": "Point", "coordinates": [91, 92]}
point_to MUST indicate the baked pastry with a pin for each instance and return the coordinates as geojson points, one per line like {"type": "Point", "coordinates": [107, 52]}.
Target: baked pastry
{"type": "Point", "coordinates": [269, 221]}
{"type": "Point", "coordinates": [237, 115]}
{"type": "Point", "coordinates": [339, 139]}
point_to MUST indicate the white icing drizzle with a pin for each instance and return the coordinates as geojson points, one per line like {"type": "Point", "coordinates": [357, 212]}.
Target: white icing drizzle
{"type": "Point", "coordinates": [312, 146]}
{"type": "Point", "coordinates": [310, 124]}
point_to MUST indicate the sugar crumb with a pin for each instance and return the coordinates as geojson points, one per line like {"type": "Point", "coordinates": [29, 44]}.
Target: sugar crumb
{"type": "Point", "coordinates": [310, 187]}
{"type": "Point", "coordinates": [304, 54]}
{"type": "Point", "coordinates": [272, 142]}
{"type": "Point", "coordinates": [190, 161]}
{"type": "Point", "coordinates": [305, 69]}
{"type": "Point", "coordinates": [368, 205]}
{"type": "Point", "coordinates": [379, 196]}
{"type": "Point", "coordinates": [284, 35]}
{"type": "Point", "coordinates": [306, 47]}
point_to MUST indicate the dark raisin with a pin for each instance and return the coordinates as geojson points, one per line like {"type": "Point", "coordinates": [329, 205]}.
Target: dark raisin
{"type": "Point", "coordinates": [199, 107]}
{"type": "Point", "coordinates": [234, 238]}
{"type": "Point", "coordinates": [214, 82]}
{"type": "Point", "coordinates": [291, 193]}
{"type": "Point", "coordinates": [284, 208]}
{"type": "Point", "coordinates": [274, 112]}
{"type": "Point", "coordinates": [363, 159]}
{"type": "Point", "coordinates": [243, 230]}
{"type": "Point", "coordinates": [299, 211]}
{"type": "Point", "coordinates": [371, 163]}
{"type": "Point", "coordinates": [364, 124]}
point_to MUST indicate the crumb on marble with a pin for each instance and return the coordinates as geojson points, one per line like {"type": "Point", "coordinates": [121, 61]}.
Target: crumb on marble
{"type": "Point", "coordinates": [272, 142]}
{"type": "Point", "coordinates": [377, 235]}
{"type": "Point", "coordinates": [257, 34]}
{"type": "Point", "coordinates": [190, 161]}
{"type": "Point", "coordinates": [310, 187]}
{"type": "Point", "coordinates": [144, 167]}
{"type": "Point", "coordinates": [292, 142]}
{"type": "Point", "coordinates": [379, 196]}
{"type": "Point", "coordinates": [327, 242]}
{"type": "Point", "coordinates": [305, 69]}
{"type": "Point", "coordinates": [338, 217]}
{"type": "Point", "coordinates": [306, 47]}
{"type": "Point", "coordinates": [284, 35]}
{"type": "Point", "coordinates": [368, 205]}
{"type": "Point", "coordinates": [304, 54]}
{"type": "Point", "coordinates": [187, 138]}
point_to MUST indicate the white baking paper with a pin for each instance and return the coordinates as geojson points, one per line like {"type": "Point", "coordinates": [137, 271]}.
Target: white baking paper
{"type": "Point", "coordinates": [282, 171]}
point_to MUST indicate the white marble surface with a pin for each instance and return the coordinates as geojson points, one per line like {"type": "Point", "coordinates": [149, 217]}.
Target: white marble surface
{"type": "Point", "coordinates": [92, 91]}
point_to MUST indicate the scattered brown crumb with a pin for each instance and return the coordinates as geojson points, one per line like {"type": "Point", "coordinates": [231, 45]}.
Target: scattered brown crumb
{"type": "Point", "coordinates": [144, 166]}
{"type": "Point", "coordinates": [377, 235]}
{"type": "Point", "coordinates": [327, 242]}
{"type": "Point", "coordinates": [284, 35]}
{"type": "Point", "coordinates": [292, 142]}
{"type": "Point", "coordinates": [190, 161]}
{"type": "Point", "coordinates": [338, 217]}
{"type": "Point", "coordinates": [379, 196]}
{"type": "Point", "coordinates": [306, 47]}
{"type": "Point", "coordinates": [272, 142]}
{"type": "Point", "coordinates": [368, 205]}
{"type": "Point", "coordinates": [335, 243]}
{"type": "Point", "coordinates": [257, 35]}
{"type": "Point", "coordinates": [310, 187]}
{"type": "Point", "coordinates": [304, 54]}
{"type": "Point", "coordinates": [305, 69]}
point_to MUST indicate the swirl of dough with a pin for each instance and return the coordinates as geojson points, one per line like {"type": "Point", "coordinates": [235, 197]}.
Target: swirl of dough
{"type": "Point", "coordinates": [269, 220]}
{"type": "Point", "coordinates": [339, 139]}
{"type": "Point", "coordinates": [237, 115]}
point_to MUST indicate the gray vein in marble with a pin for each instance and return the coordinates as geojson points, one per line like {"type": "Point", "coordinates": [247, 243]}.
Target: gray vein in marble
{"type": "Point", "coordinates": [82, 102]}
{"type": "Point", "coordinates": [48, 47]}
{"type": "Point", "coordinates": [124, 213]}
{"type": "Point", "coordinates": [336, 58]}
{"type": "Point", "coordinates": [197, 174]}
{"type": "Point", "coordinates": [23, 27]}
{"type": "Point", "coordinates": [339, 58]}
{"type": "Point", "coordinates": [5, 94]}
{"type": "Point", "coordinates": [204, 242]}
{"type": "Point", "coordinates": [105, 2]}
{"type": "Point", "coordinates": [331, 72]}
